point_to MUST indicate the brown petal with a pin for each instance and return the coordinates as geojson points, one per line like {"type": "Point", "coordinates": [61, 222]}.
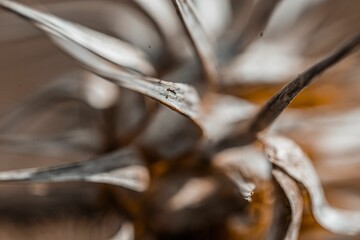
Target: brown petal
{"type": "Point", "coordinates": [277, 104]}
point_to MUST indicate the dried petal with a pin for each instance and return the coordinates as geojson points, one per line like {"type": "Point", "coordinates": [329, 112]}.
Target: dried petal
{"type": "Point", "coordinates": [180, 97]}
{"type": "Point", "coordinates": [289, 157]}
{"type": "Point", "coordinates": [202, 45]}
{"type": "Point", "coordinates": [112, 49]}
{"type": "Point", "coordinates": [222, 113]}
{"type": "Point", "coordinates": [126, 232]}
{"type": "Point", "coordinates": [248, 160]}
{"type": "Point", "coordinates": [246, 166]}
{"type": "Point", "coordinates": [274, 107]}
{"type": "Point", "coordinates": [74, 39]}
{"type": "Point", "coordinates": [277, 104]}
{"type": "Point", "coordinates": [259, 18]}
{"type": "Point", "coordinates": [216, 14]}
{"type": "Point", "coordinates": [289, 203]}
{"type": "Point", "coordinates": [158, 10]}
{"type": "Point", "coordinates": [192, 193]}
{"type": "Point", "coordinates": [122, 168]}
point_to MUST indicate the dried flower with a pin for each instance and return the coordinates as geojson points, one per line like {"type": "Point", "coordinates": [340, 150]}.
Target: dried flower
{"type": "Point", "coordinates": [149, 120]}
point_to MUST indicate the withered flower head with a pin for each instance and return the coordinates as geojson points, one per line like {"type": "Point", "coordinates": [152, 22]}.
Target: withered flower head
{"type": "Point", "coordinates": [161, 119]}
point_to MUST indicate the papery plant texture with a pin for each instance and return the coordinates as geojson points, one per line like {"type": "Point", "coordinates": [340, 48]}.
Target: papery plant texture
{"type": "Point", "coordinates": [165, 119]}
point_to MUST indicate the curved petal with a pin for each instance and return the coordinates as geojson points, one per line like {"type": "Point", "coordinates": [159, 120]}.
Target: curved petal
{"type": "Point", "coordinates": [289, 202]}
{"type": "Point", "coordinates": [289, 157]}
